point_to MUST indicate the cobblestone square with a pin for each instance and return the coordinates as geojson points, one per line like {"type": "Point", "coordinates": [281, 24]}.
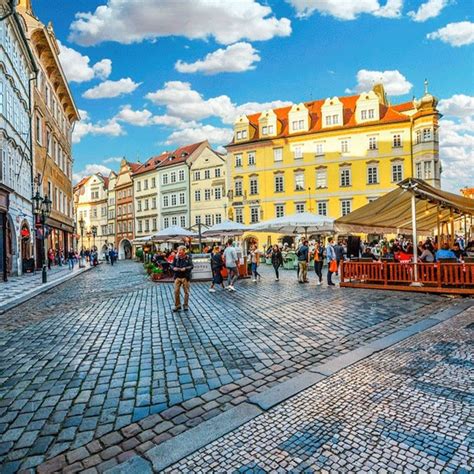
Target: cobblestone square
{"type": "Point", "coordinates": [100, 369]}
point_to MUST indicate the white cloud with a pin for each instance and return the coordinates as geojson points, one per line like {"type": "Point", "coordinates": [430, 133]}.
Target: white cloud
{"type": "Point", "coordinates": [108, 89]}
{"type": "Point", "coordinates": [459, 105]}
{"type": "Point", "coordinates": [227, 21]}
{"type": "Point", "coordinates": [76, 66]}
{"type": "Point", "coordinates": [143, 118]}
{"type": "Point", "coordinates": [456, 134]}
{"type": "Point", "coordinates": [90, 169]}
{"type": "Point", "coordinates": [455, 34]}
{"type": "Point", "coordinates": [347, 10]}
{"type": "Point", "coordinates": [182, 101]}
{"type": "Point", "coordinates": [199, 133]}
{"type": "Point", "coordinates": [394, 82]}
{"type": "Point", "coordinates": [113, 159]}
{"type": "Point", "coordinates": [238, 57]}
{"type": "Point", "coordinates": [85, 127]}
{"type": "Point", "coordinates": [430, 9]}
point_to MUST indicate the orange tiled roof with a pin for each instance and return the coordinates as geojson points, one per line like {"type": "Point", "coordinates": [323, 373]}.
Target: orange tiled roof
{"type": "Point", "coordinates": [151, 163]}
{"type": "Point", "coordinates": [388, 114]}
{"type": "Point", "coordinates": [134, 166]}
{"type": "Point", "coordinates": [180, 155]}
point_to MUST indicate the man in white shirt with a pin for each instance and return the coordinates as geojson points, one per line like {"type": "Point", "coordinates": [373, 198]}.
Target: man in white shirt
{"type": "Point", "coordinates": [231, 260]}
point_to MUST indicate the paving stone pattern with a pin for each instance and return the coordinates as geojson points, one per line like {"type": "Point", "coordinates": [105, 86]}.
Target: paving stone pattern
{"type": "Point", "coordinates": [406, 409]}
{"type": "Point", "coordinates": [98, 369]}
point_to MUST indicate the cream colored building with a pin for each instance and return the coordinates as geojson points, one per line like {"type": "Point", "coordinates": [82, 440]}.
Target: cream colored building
{"type": "Point", "coordinates": [90, 203]}
{"type": "Point", "coordinates": [111, 209]}
{"type": "Point", "coordinates": [207, 186]}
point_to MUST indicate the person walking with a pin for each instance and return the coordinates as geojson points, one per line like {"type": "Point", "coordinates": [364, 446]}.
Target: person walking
{"type": "Point", "coordinates": [254, 260]}
{"type": "Point", "coordinates": [217, 264]}
{"type": "Point", "coordinates": [182, 266]}
{"type": "Point", "coordinates": [303, 257]}
{"type": "Point", "coordinates": [277, 260]}
{"type": "Point", "coordinates": [318, 262]}
{"type": "Point", "coordinates": [332, 262]}
{"type": "Point", "coordinates": [339, 251]}
{"type": "Point", "coordinates": [230, 261]}
{"type": "Point", "coordinates": [71, 259]}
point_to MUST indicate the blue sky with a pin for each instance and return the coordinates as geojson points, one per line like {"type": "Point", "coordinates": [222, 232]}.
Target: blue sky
{"type": "Point", "coordinates": [149, 75]}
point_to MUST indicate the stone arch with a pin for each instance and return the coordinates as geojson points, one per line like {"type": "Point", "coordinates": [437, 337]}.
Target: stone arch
{"type": "Point", "coordinates": [125, 250]}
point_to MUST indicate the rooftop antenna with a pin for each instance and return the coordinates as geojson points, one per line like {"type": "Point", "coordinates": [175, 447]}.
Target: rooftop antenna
{"type": "Point", "coordinates": [426, 86]}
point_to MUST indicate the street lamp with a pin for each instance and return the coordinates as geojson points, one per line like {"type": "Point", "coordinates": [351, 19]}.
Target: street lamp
{"type": "Point", "coordinates": [94, 233]}
{"type": "Point", "coordinates": [42, 210]}
{"type": "Point", "coordinates": [89, 235]}
{"type": "Point", "coordinates": [81, 254]}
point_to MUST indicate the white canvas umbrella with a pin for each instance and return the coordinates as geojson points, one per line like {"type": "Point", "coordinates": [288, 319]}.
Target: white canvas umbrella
{"type": "Point", "coordinates": [304, 222]}
{"type": "Point", "coordinates": [143, 240]}
{"type": "Point", "coordinates": [226, 229]}
{"type": "Point", "coordinates": [173, 232]}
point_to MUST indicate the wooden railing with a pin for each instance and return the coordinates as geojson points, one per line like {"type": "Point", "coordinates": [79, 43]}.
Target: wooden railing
{"type": "Point", "coordinates": [439, 276]}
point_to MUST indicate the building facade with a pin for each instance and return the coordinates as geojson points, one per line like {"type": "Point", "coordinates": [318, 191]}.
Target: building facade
{"type": "Point", "coordinates": [90, 199]}
{"type": "Point", "coordinates": [53, 119]}
{"type": "Point", "coordinates": [111, 209]}
{"type": "Point", "coordinates": [124, 210]}
{"type": "Point", "coordinates": [17, 69]}
{"type": "Point", "coordinates": [330, 156]}
{"type": "Point", "coordinates": [146, 196]}
{"type": "Point", "coordinates": [207, 187]}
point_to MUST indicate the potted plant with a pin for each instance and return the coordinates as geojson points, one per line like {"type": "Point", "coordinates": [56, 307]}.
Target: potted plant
{"type": "Point", "coordinates": [149, 267]}
{"type": "Point", "coordinates": [157, 273]}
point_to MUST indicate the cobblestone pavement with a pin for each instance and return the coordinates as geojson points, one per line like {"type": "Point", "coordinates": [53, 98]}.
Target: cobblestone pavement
{"type": "Point", "coordinates": [406, 409]}
{"type": "Point", "coordinates": [17, 286]}
{"type": "Point", "coordinates": [99, 368]}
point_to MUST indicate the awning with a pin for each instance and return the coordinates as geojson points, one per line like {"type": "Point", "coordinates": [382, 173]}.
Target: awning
{"type": "Point", "coordinates": [391, 213]}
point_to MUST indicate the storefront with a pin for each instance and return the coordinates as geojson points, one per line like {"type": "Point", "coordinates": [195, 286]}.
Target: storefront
{"type": "Point", "coordinates": [4, 193]}
{"type": "Point", "coordinates": [60, 238]}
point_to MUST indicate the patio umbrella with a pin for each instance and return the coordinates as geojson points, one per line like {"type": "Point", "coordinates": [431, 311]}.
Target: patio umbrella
{"type": "Point", "coordinates": [226, 229]}
{"type": "Point", "coordinates": [304, 222]}
{"type": "Point", "coordinates": [143, 240]}
{"type": "Point", "coordinates": [172, 232]}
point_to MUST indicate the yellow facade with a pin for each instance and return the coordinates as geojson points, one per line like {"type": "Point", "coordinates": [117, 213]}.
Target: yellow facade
{"type": "Point", "coordinates": [329, 157]}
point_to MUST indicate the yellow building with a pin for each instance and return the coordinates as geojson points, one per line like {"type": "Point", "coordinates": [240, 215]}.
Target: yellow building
{"type": "Point", "coordinates": [329, 156]}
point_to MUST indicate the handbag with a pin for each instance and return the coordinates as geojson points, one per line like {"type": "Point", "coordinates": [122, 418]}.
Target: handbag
{"type": "Point", "coordinates": [333, 266]}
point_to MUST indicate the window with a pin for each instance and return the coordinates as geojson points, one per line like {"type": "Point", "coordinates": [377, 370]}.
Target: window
{"type": "Point", "coordinates": [146, 205]}
{"type": "Point", "coordinates": [427, 134]}
{"type": "Point", "coordinates": [140, 226]}
{"type": "Point", "coordinates": [182, 221]}
{"type": "Point", "coordinates": [239, 215]}
{"type": "Point", "coordinates": [397, 172]}
{"type": "Point", "coordinates": [397, 141]}
{"type": "Point", "coordinates": [166, 222]}
{"type": "Point", "coordinates": [345, 146]}
{"type": "Point", "coordinates": [328, 120]}
{"type": "Point", "coordinates": [427, 168]}
{"type": "Point", "coordinates": [278, 154]}
{"type": "Point", "coordinates": [153, 182]}
{"type": "Point", "coordinates": [319, 149]}
{"type": "Point", "coordinates": [372, 174]}
{"type": "Point", "coordinates": [154, 223]}
{"type": "Point", "coordinates": [207, 194]}
{"type": "Point", "coordinates": [217, 193]}
{"type": "Point", "coordinates": [300, 207]}
{"type": "Point", "coordinates": [182, 199]}
{"type": "Point", "coordinates": [335, 119]}
{"type": "Point", "coordinates": [153, 203]}
{"type": "Point", "coordinates": [197, 175]}
{"type": "Point", "coordinates": [238, 187]}
{"type": "Point", "coordinates": [298, 152]}
{"type": "Point", "coordinates": [298, 125]}
{"type": "Point", "coordinates": [244, 134]}
{"type": "Point", "coordinates": [299, 181]}
{"type": "Point", "coordinates": [270, 129]}
{"type": "Point", "coordinates": [174, 220]}
{"type": "Point", "coordinates": [207, 174]}
{"type": "Point", "coordinates": [371, 113]}
{"type": "Point", "coordinates": [208, 219]}
{"type": "Point", "coordinates": [238, 161]}
{"type": "Point", "coordinates": [181, 175]}
{"type": "Point", "coordinates": [147, 225]}
{"type": "Point", "coordinates": [218, 218]}
{"type": "Point", "coordinates": [322, 208]}
{"type": "Point", "coordinates": [166, 201]}
{"type": "Point", "coordinates": [251, 158]}
{"type": "Point", "coordinates": [254, 212]}
{"type": "Point", "coordinates": [321, 178]}
{"type": "Point", "coordinates": [49, 143]}
{"type": "Point", "coordinates": [174, 200]}
{"type": "Point", "coordinates": [139, 185]}
{"type": "Point", "coordinates": [164, 179]}
{"type": "Point", "coordinates": [239, 135]}
{"type": "Point", "coordinates": [345, 206]}
{"type": "Point", "coordinates": [279, 183]}
{"type": "Point", "coordinates": [253, 185]}
{"type": "Point", "coordinates": [363, 114]}
{"type": "Point", "coordinates": [264, 130]}
{"type": "Point", "coordinates": [419, 171]}
{"type": "Point", "coordinates": [130, 209]}
{"type": "Point", "coordinates": [197, 195]}
{"type": "Point", "coordinates": [372, 143]}
{"type": "Point", "coordinates": [173, 176]}
{"type": "Point", "coordinates": [197, 220]}
{"type": "Point", "coordinates": [39, 130]}
{"type": "Point", "coordinates": [418, 136]}
{"type": "Point", "coordinates": [145, 184]}
{"type": "Point", "coordinates": [279, 210]}
{"type": "Point", "coordinates": [217, 172]}
{"type": "Point", "coordinates": [345, 177]}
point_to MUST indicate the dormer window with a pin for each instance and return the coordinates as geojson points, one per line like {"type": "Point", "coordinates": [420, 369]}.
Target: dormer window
{"type": "Point", "coordinates": [239, 135]}
{"type": "Point", "coordinates": [298, 118]}
{"type": "Point", "coordinates": [264, 130]}
{"type": "Point", "coordinates": [244, 134]}
{"type": "Point", "coordinates": [367, 107]}
{"type": "Point", "coordinates": [267, 123]}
